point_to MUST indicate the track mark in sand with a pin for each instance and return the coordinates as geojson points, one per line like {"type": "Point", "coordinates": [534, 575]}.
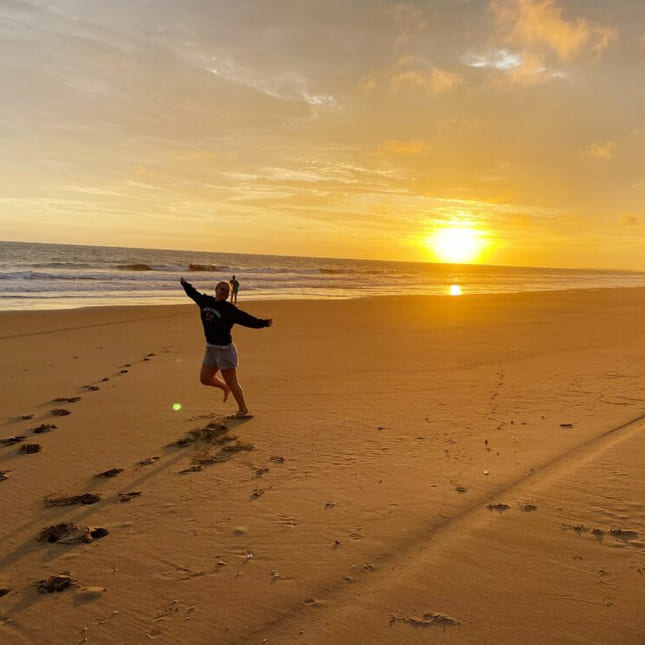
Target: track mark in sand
{"type": "Point", "coordinates": [430, 619]}
{"type": "Point", "coordinates": [4, 591]}
{"type": "Point", "coordinates": [59, 412]}
{"type": "Point", "coordinates": [500, 508]}
{"type": "Point", "coordinates": [86, 499]}
{"type": "Point", "coordinates": [435, 531]}
{"type": "Point", "coordinates": [65, 399]}
{"type": "Point", "coordinates": [528, 508]}
{"type": "Point", "coordinates": [4, 474]}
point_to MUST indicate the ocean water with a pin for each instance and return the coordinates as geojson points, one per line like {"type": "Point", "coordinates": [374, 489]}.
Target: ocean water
{"type": "Point", "coordinates": [57, 276]}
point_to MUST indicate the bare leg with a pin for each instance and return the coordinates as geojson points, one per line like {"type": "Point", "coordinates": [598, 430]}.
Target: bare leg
{"type": "Point", "coordinates": [230, 376]}
{"type": "Point", "coordinates": [208, 376]}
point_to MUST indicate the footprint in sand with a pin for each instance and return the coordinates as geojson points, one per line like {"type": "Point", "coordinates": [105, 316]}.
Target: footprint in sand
{"type": "Point", "coordinates": [30, 448]}
{"type": "Point", "coordinates": [60, 412]}
{"type": "Point", "coordinates": [312, 603]}
{"type": "Point", "coordinates": [65, 399]}
{"type": "Point", "coordinates": [195, 468]}
{"type": "Point", "coordinates": [85, 499]}
{"type": "Point", "coordinates": [69, 533]}
{"type": "Point", "coordinates": [427, 620]}
{"type": "Point", "coordinates": [500, 508]}
{"type": "Point", "coordinates": [148, 461]}
{"type": "Point", "coordinates": [126, 497]}
{"type": "Point", "coordinates": [112, 472]}
{"type": "Point", "coordinates": [91, 388]}
{"type": "Point", "coordinates": [11, 441]}
{"type": "Point", "coordinates": [44, 427]}
{"type": "Point", "coordinates": [56, 583]}
{"type": "Point", "coordinates": [4, 591]}
{"type": "Point", "coordinates": [4, 474]}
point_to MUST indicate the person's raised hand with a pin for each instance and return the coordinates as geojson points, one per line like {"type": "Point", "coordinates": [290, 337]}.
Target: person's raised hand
{"type": "Point", "coordinates": [182, 281]}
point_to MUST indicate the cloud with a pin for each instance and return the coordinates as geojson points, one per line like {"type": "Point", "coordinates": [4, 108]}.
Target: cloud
{"type": "Point", "coordinates": [498, 59]}
{"type": "Point", "coordinates": [602, 149]}
{"type": "Point", "coordinates": [416, 148]}
{"type": "Point", "coordinates": [411, 75]}
{"type": "Point", "coordinates": [540, 24]}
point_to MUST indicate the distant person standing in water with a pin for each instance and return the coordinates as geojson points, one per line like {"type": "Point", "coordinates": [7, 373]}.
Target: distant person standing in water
{"type": "Point", "coordinates": [235, 287]}
{"type": "Point", "coordinates": [218, 317]}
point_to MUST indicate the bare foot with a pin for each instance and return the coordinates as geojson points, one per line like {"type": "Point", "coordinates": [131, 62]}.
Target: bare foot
{"type": "Point", "coordinates": [240, 415]}
{"type": "Point", "coordinates": [226, 393]}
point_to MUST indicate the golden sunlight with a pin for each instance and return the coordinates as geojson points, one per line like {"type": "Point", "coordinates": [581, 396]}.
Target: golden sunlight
{"type": "Point", "coordinates": [454, 244]}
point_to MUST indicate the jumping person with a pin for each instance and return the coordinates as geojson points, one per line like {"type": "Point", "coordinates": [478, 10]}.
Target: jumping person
{"type": "Point", "coordinates": [218, 317]}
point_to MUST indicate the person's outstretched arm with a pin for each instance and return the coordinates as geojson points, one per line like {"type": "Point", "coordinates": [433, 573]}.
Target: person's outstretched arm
{"type": "Point", "coordinates": [191, 292]}
{"type": "Point", "coordinates": [246, 320]}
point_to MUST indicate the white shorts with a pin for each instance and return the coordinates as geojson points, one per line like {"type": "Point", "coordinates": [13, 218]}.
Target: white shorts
{"type": "Point", "coordinates": [223, 357]}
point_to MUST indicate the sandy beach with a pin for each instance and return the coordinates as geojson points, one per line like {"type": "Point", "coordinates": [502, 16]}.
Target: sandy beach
{"type": "Point", "coordinates": [459, 470]}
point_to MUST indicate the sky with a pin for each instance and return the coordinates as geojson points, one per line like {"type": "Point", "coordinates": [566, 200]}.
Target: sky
{"type": "Point", "coordinates": [333, 128]}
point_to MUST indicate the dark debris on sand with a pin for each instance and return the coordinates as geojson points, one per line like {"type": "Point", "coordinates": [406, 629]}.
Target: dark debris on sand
{"type": "Point", "coordinates": [86, 499]}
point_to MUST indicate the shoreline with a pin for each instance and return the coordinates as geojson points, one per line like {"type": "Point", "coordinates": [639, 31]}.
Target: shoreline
{"type": "Point", "coordinates": [259, 300]}
{"type": "Point", "coordinates": [414, 462]}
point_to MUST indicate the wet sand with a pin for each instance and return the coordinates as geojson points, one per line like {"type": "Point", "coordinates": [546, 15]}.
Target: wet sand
{"type": "Point", "coordinates": [460, 470]}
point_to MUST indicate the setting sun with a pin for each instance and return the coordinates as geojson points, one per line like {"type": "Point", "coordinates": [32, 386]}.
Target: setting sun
{"type": "Point", "coordinates": [458, 245]}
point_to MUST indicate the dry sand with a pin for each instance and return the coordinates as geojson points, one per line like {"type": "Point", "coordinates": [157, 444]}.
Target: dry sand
{"type": "Point", "coordinates": [419, 469]}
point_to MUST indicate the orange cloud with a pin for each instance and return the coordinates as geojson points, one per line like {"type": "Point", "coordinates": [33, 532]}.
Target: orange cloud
{"type": "Point", "coordinates": [436, 81]}
{"type": "Point", "coordinates": [602, 149]}
{"type": "Point", "coordinates": [416, 148]}
{"type": "Point", "coordinates": [540, 23]}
